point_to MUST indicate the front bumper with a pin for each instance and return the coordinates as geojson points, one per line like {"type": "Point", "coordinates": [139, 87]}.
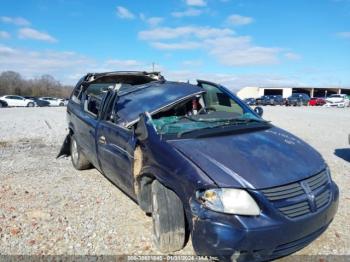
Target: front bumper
{"type": "Point", "coordinates": [267, 236]}
{"type": "Point", "coordinates": [335, 104]}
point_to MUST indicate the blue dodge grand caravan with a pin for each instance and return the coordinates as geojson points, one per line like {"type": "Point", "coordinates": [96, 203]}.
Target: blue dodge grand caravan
{"type": "Point", "coordinates": [202, 163]}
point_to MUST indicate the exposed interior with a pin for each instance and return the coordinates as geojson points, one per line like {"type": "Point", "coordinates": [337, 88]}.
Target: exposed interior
{"type": "Point", "coordinates": [126, 79]}
{"type": "Point", "coordinates": [207, 110]}
{"type": "Point", "coordinates": [202, 110]}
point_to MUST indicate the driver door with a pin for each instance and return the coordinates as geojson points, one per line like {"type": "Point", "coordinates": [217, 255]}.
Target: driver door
{"type": "Point", "coordinates": [115, 146]}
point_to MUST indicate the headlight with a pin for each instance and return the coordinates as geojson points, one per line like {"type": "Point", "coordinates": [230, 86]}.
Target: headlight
{"type": "Point", "coordinates": [230, 201]}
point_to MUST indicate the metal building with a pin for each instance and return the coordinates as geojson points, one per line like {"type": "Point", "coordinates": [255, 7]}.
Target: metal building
{"type": "Point", "coordinates": [255, 92]}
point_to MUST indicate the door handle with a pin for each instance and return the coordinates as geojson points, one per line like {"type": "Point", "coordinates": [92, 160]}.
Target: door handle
{"type": "Point", "coordinates": [102, 140]}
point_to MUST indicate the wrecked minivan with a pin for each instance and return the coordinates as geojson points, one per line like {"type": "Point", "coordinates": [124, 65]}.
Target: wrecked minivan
{"type": "Point", "coordinates": [202, 163]}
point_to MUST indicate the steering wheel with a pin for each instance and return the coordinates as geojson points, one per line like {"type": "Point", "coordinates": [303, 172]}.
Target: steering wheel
{"type": "Point", "coordinates": [206, 109]}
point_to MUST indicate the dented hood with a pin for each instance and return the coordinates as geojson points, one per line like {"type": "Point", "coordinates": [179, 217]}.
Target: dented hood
{"type": "Point", "coordinates": [259, 159]}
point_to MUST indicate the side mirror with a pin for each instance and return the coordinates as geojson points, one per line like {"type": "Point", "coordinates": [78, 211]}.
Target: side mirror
{"type": "Point", "coordinates": [259, 111]}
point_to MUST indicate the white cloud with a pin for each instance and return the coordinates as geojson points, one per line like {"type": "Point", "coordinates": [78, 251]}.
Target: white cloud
{"type": "Point", "coordinates": [344, 34]}
{"type": "Point", "coordinates": [240, 51]}
{"type": "Point", "coordinates": [5, 50]}
{"type": "Point", "coordinates": [221, 43]}
{"type": "Point", "coordinates": [30, 33]}
{"type": "Point", "coordinates": [122, 64]}
{"type": "Point", "coordinates": [20, 21]}
{"type": "Point", "coordinates": [68, 67]}
{"type": "Point", "coordinates": [176, 46]}
{"type": "Point", "coordinates": [4, 35]}
{"type": "Point", "coordinates": [124, 13]}
{"type": "Point", "coordinates": [162, 33]}
{"type": "Point", "coordinates": [187, 12]}
{"type": "Point", "coordinates": [196, 2]}
{"type": "Point", "coordinates": [232, 81]}
{"type": "Point", "coordinates": [239, 20]}
{"type": "Point", "coordinates": [33, 63]}
{"type": "Point", "coordinates": [152, 21]}
{"type": "Point", "coordinates": [292, 56]}
{"type": "Point", "coordinates": [192, 63]}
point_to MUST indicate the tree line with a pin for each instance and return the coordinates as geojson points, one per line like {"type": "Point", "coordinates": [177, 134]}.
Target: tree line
{"type": "Point", "coordinates": [12, 83]}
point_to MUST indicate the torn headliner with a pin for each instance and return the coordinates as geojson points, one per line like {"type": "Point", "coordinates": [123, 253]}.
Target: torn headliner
{"type": "Point", "coordinates": [153, 98]}
{"type": "Point", "coordinates": [125, 77]}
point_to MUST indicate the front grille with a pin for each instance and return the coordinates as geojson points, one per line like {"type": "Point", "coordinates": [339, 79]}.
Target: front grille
{"type": "Point", "coordinates": [296, 210]}
{"type": "Point", "coordinates": [280, 196]}
{"type": "Point", "coordinates": [323, 198]}
{"type": "Point", "coordinates": [282, 192]}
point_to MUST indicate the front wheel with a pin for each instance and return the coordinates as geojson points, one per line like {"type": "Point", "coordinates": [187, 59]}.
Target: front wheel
{"type": "Point", "coordinates": [168, 219]}
{"type": "Point", "coordinates": [30, 104]}
{"type": "Point", "coordinates": [78, 158]}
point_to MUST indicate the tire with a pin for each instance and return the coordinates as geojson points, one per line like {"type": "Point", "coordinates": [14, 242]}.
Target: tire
{"type": "Point", "coordinates": [61, 104]}
{"type": "Point", "coordinates": [78, 158]}
{"type": "Point", "coordinates": [0, 105]}
{"type": "Point", "coordinates": [30, 104]}
{"type": "Point", "coordinates": [300, 103]}
{"type": "Point", "coordinates": [168, 217]}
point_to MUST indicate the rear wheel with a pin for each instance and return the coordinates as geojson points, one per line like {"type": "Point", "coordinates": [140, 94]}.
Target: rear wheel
{"type": "Point", "coordinates": [168, 219]}
{"type": "Point", "coordinates": [78, 158]}
{"type": "Point", "coordinates": [61, 104]}
{"type": "Point", "coordinates": [30, 104]}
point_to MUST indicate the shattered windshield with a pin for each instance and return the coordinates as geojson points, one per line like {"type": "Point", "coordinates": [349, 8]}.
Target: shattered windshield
{"type": "Point", "coordinates": [181, 124]}
{"type": "Point", "coordinates": [209, 111]}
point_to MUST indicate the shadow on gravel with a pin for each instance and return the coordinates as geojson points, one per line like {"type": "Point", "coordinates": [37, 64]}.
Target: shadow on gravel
{"type": "Point", "coordinates": [343, 153]}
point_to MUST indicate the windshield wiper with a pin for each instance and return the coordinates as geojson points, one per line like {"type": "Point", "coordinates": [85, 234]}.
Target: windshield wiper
{"type": "Point", "coordinates": [229, 122]}
{"type": "Point", "coordinates": [239, 120]}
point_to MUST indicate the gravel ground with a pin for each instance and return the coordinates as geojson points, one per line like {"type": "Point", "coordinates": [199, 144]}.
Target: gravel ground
{"type": "Point", "coordinates": [47, 207]}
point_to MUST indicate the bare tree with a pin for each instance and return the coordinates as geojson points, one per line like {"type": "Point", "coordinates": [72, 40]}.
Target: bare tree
{"type": "Point", "coordinates": [13, 83]}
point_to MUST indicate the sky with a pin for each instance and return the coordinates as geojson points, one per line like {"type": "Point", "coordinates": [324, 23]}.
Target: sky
{"type": "Point", "coordinates": [233, 42]}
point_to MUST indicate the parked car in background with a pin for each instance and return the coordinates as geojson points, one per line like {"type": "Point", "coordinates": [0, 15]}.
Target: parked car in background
{"type": "Point", "coordinates": [38, 102]}
{"type": "Point", "coordinates": [53, 101]}
{"type": "Point", "coordinates": [13, 100]}
{"type": "Point", "coordinates": [65, 101]}
{"type": "Point", "coordinates": [259, 100]}
{"type": "Point", "coordinates": [337, 100]}
{"type": "Point", "coordinates": [272, 100]}
{"type": "Point", "coordinates": [203, 163]}
{"type": "Point", "coordinates": [250, 101]}
{"type": "Point", "coordinates": [317, 101]}
{"type": "Point", "coordinates": [3, 103]}
{"type": "Point", "coordinates": [297, 99]}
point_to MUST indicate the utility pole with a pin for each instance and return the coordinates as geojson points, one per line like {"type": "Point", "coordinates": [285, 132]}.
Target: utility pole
{"type": "Point", "coordinates": [153, 66]}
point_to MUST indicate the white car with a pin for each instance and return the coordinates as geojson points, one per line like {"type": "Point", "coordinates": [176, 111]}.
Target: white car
{"type": "Point", "coordinates": [337, 100]}
{"type": "Point", "coordinates": [53, 101]}
{"type": "Point", "coordinates": [13, 100]}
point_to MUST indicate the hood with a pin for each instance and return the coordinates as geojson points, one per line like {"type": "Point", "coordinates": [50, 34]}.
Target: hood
{"type": "Point", "coordinates": [255, 160]}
